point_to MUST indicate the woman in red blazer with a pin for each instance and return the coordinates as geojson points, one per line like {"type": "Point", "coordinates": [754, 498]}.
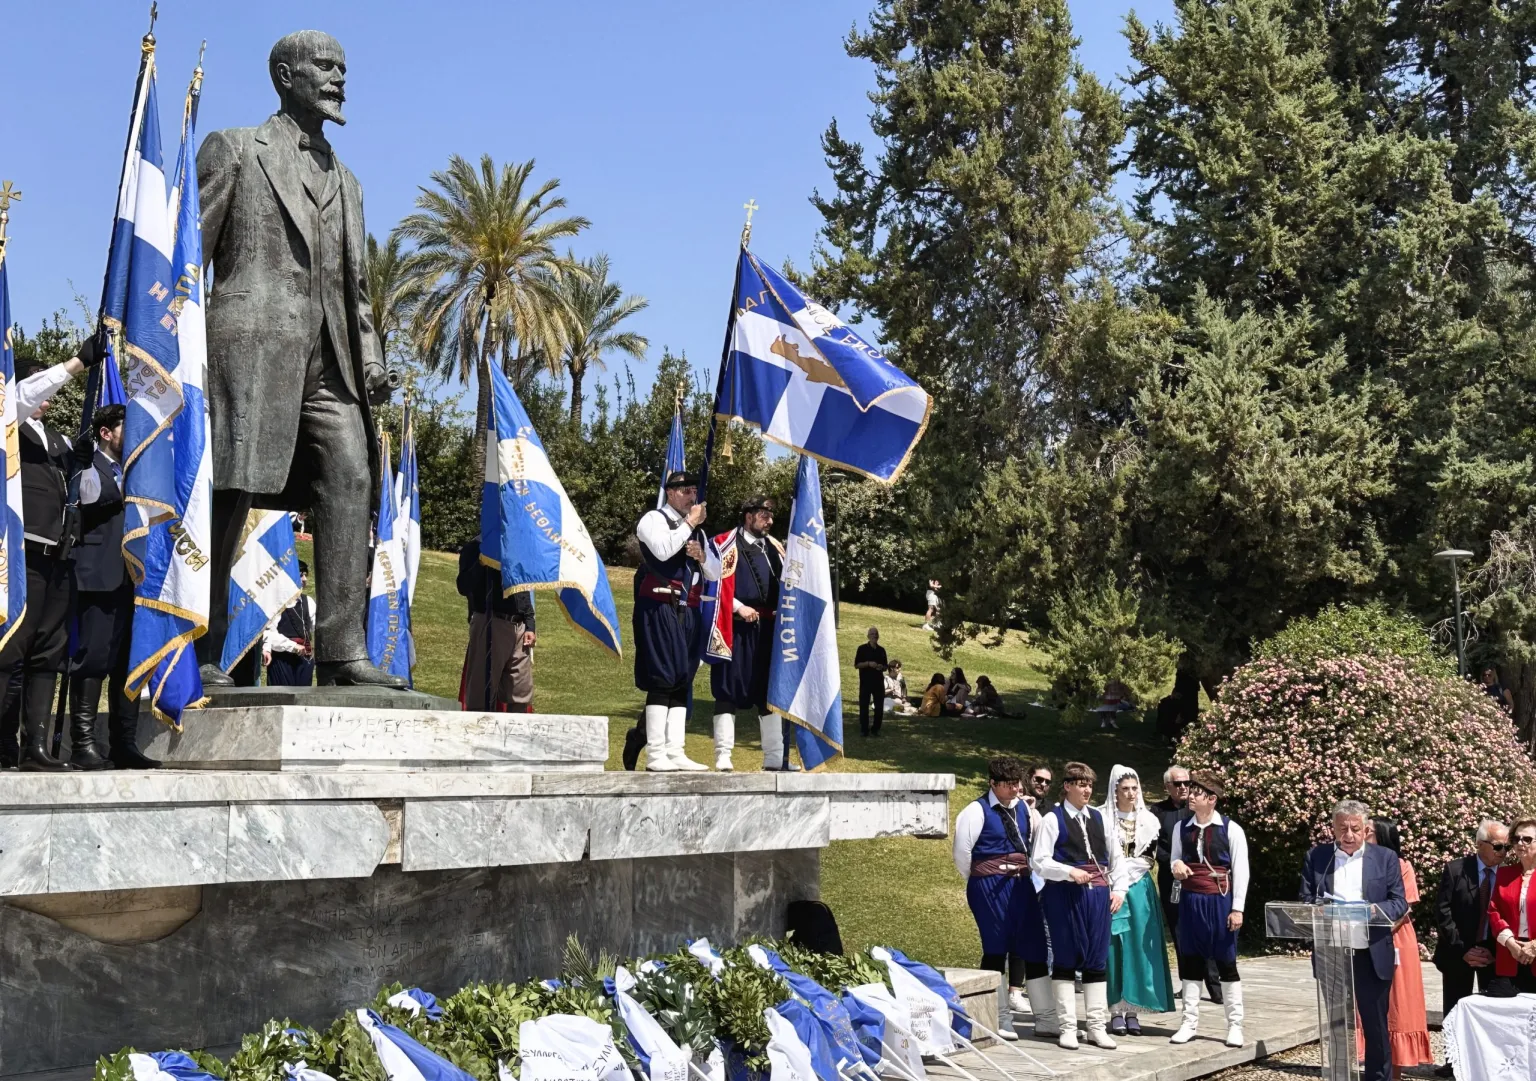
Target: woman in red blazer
{"type": "Point", "coordinates": [1512, 910]}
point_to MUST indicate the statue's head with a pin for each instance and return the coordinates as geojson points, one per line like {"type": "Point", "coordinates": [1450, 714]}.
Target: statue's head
{"type": "Point", "coordinates": [309, 72]}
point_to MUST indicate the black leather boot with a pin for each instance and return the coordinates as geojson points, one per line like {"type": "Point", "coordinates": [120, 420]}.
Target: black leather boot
{"type": "Point", "coordinates": [359, 673]}
{"type": "Point", "coordinates": [84, 694]}
{"type": "Point", "coordinates": [123, 732]}
{"type": "Point", "coordinates": [36, 712]}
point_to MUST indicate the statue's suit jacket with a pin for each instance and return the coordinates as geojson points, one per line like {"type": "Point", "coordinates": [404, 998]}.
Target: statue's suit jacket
{"type": "Point", "coordinates": [258, 225]}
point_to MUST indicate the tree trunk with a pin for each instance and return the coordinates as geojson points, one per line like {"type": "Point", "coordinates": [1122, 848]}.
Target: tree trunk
{"type": "Point", "coordinates": [578, 372]}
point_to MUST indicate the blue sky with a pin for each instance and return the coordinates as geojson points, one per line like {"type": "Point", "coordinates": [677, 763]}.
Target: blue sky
{"type": "Point", "coordinates": [659, 119]}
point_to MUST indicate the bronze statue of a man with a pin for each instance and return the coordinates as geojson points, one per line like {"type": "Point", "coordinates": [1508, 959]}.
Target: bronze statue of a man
{"type": "Point", "coordinates": [292, 350]}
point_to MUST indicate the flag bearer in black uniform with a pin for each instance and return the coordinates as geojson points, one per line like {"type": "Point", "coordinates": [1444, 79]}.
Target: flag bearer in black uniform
{"type": "Point", "coordinates": [675, 561]}
{"type": "Point", "coordinates": [288, 646]}
{"type": "Point", "coordinates": [753, 562]}
{"type": "Point", "coordinates": [36, 647]}
{"type": "Point", "coordinates": [103, 604]}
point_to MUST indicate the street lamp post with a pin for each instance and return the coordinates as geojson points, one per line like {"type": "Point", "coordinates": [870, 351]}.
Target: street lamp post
{"type": "Point", "coordinates": [1453, 556]}
{"type": "Point", "coordinates": [833, 476]}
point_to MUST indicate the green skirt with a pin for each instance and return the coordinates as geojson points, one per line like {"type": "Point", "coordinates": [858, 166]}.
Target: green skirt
{"type": "Point", "coordinates": [1138, 960]}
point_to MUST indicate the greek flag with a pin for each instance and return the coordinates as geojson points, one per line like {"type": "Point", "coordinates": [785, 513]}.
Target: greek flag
{"type": "Point", "coordinates": [168, 476]}
{"type": "Point", "coordinates": [389, 604]}
{"type": "Point", "coordinates": [808, 382]}
{"type": "Point", "coordinates": [676, 460]}
{"type": "Point", "coordinates": [408, 514]}
{"type": "Point", "coordinates": [528, 527]}
{"type": "Point", "coordinates": [402, 1057]}
{"type": "Point", "coordinates": [803, 677]}
{"type": "Point", "coordinates": [263, 581]}
{"type": "Point", "coordinates": [13, 566]}
{"type": "Point", "coordinates": [167, 1066]}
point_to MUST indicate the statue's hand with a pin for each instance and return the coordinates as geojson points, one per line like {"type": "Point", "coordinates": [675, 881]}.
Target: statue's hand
{"type": "Point", "coordinates": [378, 380]}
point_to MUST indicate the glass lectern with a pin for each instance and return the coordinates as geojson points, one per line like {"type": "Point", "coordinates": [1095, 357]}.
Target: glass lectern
{"type": "Point", "coordinates": [1336, 930]}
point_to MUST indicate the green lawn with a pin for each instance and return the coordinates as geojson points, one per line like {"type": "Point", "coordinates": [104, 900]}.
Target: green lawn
{"type": "Point", "coordinates": [900, 891]}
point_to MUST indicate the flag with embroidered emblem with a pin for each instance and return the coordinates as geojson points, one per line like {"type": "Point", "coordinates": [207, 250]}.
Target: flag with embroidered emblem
{"type": "Point", "coordinates": [804, 682]}
{"type": "Point", "coordinates": [529, 529]}
{"type": "Point", "coordinates": [13, 566]}
{"type": "Point", "coordinates": [389, 605]}
{"type": "Point", "coordinates": [798, 374]}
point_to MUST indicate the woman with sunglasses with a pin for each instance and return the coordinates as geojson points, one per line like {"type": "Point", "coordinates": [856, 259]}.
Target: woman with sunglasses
{"type": "Point", "coordinates": [1512, 910]}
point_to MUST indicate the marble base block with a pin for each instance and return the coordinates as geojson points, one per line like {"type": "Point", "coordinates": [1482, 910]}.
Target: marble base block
{"type": "Point", "coordinates": [341, 737]}
{"type": "Point", "coordinates": [308, 950]}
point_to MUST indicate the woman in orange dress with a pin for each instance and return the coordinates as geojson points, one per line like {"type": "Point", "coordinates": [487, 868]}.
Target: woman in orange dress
{"type": "Point", "coordinates": [1407, 1025]}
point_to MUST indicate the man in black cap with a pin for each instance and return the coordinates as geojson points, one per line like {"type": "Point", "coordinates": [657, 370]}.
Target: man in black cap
{"type": "Point", "coordinates": [675, 561]}
{"type": "Point", "coordinates": [103, 604]}
{"type": "Point", "coordinates": [501, 634]}
{"type": "Point", "coordinates": [38, 644]}
{"type": "Point", "coordinates": [288, 646]}
{"type": "Point", "coordinates": [751, 567]}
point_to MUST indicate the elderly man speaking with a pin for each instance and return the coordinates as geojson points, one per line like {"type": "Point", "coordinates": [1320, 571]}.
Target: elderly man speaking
{"type": "Point", "coordinates": [1351, 870]}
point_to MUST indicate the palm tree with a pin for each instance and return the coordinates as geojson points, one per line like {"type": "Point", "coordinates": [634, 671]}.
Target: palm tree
{"type": "Point", "coordinates": [597, 307]}
{"type": "Point", "coordinates": [394, 290]}
{"type": "Point", "coordinates": [485, 254]}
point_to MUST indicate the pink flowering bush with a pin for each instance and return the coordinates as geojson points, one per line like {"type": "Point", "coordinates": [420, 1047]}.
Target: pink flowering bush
{"type": "Point", "coordinates": [1294, 736]}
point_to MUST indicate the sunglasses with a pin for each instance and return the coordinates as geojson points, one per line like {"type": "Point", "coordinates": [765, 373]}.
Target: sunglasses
{"type": "Point", "coordinates": [1039, 780]}
{"type": "Point", "coordinates": [1525, 840]}
{"type": "Point", "coordinates": [1178, 784]}
{"type": "Point", "coordinates": [1497, 848]}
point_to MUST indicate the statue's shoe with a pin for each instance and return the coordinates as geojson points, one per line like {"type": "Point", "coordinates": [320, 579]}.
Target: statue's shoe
{"type": "Point", "coordinates": [357, 673]}
{"type": "Point", "coordinates": [214, 676]}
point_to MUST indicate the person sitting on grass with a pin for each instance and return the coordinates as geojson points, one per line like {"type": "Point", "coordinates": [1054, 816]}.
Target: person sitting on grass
{"type": "Point", "coordinates": [987, 702]}
{"type": "Point", "coordinates": [958, 692]}
{"type": "Point", "coordinates": [896, 700]}
{"type": "Point", "coordinates": [934, 697]}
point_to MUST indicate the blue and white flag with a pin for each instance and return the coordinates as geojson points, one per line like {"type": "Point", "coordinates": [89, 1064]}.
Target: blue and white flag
{"type": "Point", "coordinates": [389, 604]}
{"type": "Point", "coordinates": [402, 1057]}
{"type": "Point", "coordinates": [263, 581]}
{"type": "Point", "coordinates": [530, 530]}
{"type": "Point", "coordinates": [168, 473]}
{"type": "Point", "coordinates": [676, 458]}
{"type": "Point", "coordinates": [408, 500]}
{"type": "Point", "coordinates": [808, 382]}
{"type": "Point", "coordinates": [828, 1010]}
{"type": "Point", "coordinates": [13, 564]}
{"type": "Point", "coordinates": [167, 1066]}
{"type": "Point", "coordinates": [415, 1001]}
{"type": "Point", "coordinates": [897, 963]}
{"type": "Point", "coordinates": [804, 682]}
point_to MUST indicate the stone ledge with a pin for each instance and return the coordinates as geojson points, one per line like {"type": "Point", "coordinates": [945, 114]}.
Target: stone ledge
{"type": "Point", "coordinates": [864, 782]}
{"type": "Point", "coordinates": [109, 788]}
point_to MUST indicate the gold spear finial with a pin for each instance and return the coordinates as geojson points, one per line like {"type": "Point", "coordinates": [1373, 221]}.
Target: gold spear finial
{"type": "Point", "coordinates": [8, 195]}
{"type": "Point", "coordinates": [750, 206]}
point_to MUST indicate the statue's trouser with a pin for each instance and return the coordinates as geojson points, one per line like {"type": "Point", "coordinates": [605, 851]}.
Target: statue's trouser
{"type": "Point", "coordinates": [333, 452]}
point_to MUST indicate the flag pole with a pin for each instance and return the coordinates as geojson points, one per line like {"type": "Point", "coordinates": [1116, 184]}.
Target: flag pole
{"type": "Point", "coordinates": [750, 206]}
{"type": "Point", "coordinates": [146, 59]}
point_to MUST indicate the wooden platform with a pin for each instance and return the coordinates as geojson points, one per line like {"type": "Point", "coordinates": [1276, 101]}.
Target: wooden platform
{"type": "Point", "coordinates": [1280, 1012]}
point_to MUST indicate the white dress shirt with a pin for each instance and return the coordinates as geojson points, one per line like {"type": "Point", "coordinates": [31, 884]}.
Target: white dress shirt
{"type": "Point", "coordinates": [90, 480]}
{"type": "Point", "coordinates": [1349, 874]}
{"type": "Point", "coordinates": [968, 824]}
{"type": "Point", "coordinates": [1237, 852]}
{"type": "Point", "coordinates": [274, 641]}
{"type": "Point", "coordinates": [38, 387]}
{"type": "Point", "coordinates": [665, 532]}
{"type": "Point", "coordinates": [1042, 855]}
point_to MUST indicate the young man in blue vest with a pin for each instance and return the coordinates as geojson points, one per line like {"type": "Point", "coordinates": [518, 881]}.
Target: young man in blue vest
{"type": "Point", "coordinates": [1084, 886]}
{"type": "Point", "coordinates": [1208, 858]}
{"type": "Point", "coordinates": [992, 836]}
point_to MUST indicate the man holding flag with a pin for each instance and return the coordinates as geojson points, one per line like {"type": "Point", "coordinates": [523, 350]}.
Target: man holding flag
{"type": "Point", "coordinates": [502, 634]}
{"type": "Point", "coordinates": [741, 639]}
{"type": "Point", "coordinates": [675, 561]}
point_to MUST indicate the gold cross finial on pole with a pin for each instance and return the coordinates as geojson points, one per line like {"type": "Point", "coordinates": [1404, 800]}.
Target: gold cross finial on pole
{"type": "Point", "coordinates": [8, 195]}
{"type": "Point", "coordinates": [750, 206]}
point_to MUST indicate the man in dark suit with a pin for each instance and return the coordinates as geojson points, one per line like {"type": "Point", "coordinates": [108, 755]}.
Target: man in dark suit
{"type": "Point", "coordinates": [1464, 952]}
{"type": "Point", "coordinates": [1351, 870]}
{"type": "Point", "coordinates": [103, 604]}
{"type": "Point", "coordinates": [292, 349]}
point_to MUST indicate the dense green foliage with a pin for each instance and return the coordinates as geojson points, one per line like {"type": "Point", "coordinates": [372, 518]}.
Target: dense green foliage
{"type": "Point", "coordinates": [1295, 365]}
{"type": "Point", "coordinates": [1347, 630]}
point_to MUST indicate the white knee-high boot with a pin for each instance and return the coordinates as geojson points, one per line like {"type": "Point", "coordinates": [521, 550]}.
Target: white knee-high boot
{"type": "Point", "coordinates": [772, 732]}
{"type": "Point", "coordinates": [1042, 1004]}
{"type": "Point", "coordinates": [725, 741]}
{"type": "Point", "coordinates": [1004, 1009]}
{"type": "Point", "coordinates": [1096, 1010]}
{"type": "Point", "coordinates": [656, 760]}
{"type": "Point", "coordinates": [1066, 1012]}
{"type": "Point", "coordinates": [1232, 1002]}
{"type": "Point", "coordinates": [677, 726]}
{"type": "Point", "coordinates": [1191, 1022]}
